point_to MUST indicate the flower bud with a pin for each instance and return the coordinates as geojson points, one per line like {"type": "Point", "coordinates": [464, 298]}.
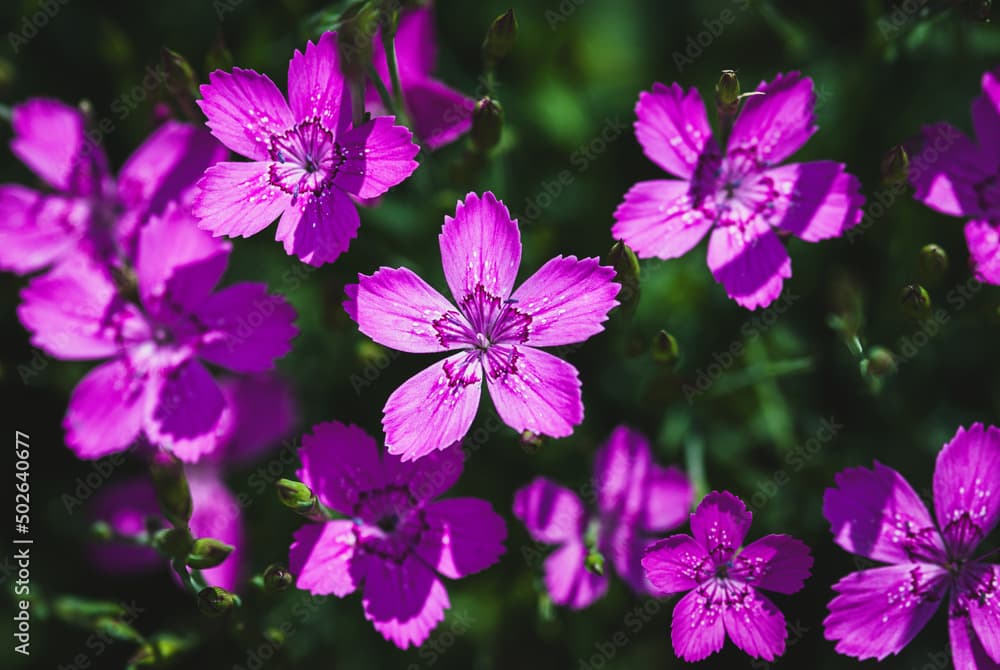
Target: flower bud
{"type": "Point", "coordinates": [879, 363]}
{"type": "Point", "coordinates": [665, 350]}
{"type": "Point", "coordinates": [500, 37]}
{"type": "Point", "coordinates": [100, 530]}
{"type": "Point", "coordinates": [298, 497]}
{"type": "Point", "coordinates": [214, 601]}
{"type": "Point", "coordinates": [915, 301]}
{"type": "Point", "coordinates": [531, 442]}
{"type": "Point", "coordinates": [895, 165]}
{"type": "Point", "coordinates": [487, 124]}
{"type": "Point", "coordinates": [595, 562]}
{"type": "Point", "coordinates": [171, 486]}
{"type": "Point", "coordinates": [626, 266]}
{"type": "Point", "coordinates": [727, 91]}
{"type": "Point", "coordinates": [159, 648]}
{"type": "Point", "coordinates": [174, 542]}
{"type": "Point", "coordinates": [208, 552]}
{"type": "Point", "coordinates": [180, 78]}
{"type": "Point", "coordinates": [933, 262]}
{"type": "Point", "coordinates": [117, 629]}
{"type": "Point", "coordinates": [356, 28]}
{"type": "Point", "coordinates": [277, 578]}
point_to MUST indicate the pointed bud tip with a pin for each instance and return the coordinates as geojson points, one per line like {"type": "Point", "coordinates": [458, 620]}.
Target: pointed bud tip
{"type": "Point", "coordinates": [277, 578]}
{"type": "Point", "coordinates": [728, 88]}
{"type": "Point", "coordinates": [208, 552]}
{"type": "Point", "coordinates": [895, 165]}
{"type": "Point", "coordinates": [487, 124]}
{"type": "Point", "coordinates": [915, 301]}
{"type": "Point", "coordinates": [501, 36]}
{"type": "Point", "coordinates": [932, 262]}
{"type": "Point", "coordinates": [665, 349]}
{"type": "Point", "coordinates": [214, 601]}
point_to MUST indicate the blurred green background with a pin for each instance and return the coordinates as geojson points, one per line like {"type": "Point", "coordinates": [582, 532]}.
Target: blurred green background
{"type": "Point", "coordinates": [880, 73]}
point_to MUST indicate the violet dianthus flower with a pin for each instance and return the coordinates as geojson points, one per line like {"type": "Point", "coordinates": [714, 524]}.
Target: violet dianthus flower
{"type": "Point", "coordinates": [724, 581]}
{"type": "Point", "coordinates": [955, 176]}
{"type": "Point", "coordinates": [155, 383]}
{"type": "Point", "coordinates": [635, 498]}
{"type": "Point", "coordinates": [496, 332]}
{"type": "Point", "coordinates": [86, 209]}
{"type": "Point", "coordinates": [877, 514]}
{"type": "Point", "coordinates": [743, 196]}
{"type": "Point", "coordinates": [306, 157]}
{"type": "Point", "coordinates": [398, 540]}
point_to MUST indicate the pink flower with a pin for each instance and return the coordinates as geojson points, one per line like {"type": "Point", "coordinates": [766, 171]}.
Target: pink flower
{"type": "Point", "coordinates": [398, 540]}
{"type": "Point", "coordinates": [724, 581]}
{"type": "Point", "coordinates": [958, 177]}
{"type": "Point", "coordinates": [496, 332]}
{"type": "Point", "coordinates": [635, 498]}
{"type": "Point", "coordinates": [85, 209]}
{"type": "Point", "coordinates": [306, 157]}
{"type": "Point", "coordinates": [155, 383]}
{"type": "Point", "coordinates": [877, 514]}
{"type": "Point", "coordinates": [440, 115]}
{"type": "Point", "coordinates": [742, 196]}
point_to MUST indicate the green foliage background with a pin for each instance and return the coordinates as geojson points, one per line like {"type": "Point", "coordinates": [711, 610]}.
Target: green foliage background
{"type": "Point", "coordinates": [576, 73]}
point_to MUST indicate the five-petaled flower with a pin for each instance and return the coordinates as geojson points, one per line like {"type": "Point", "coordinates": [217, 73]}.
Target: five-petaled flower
{"type": "Point", "coordinates": [958, 177]}
{"type": "Point", "coordinates": [724, 579]}
{"type": "Point", "coordinates": [877, 514]}
{"type": "Point", "coordinates": [306, 157]}
{"type": "Point", "coordinates": [154, 383]}
{"type": "Point", "coordinates": [86, 209]}
{"type": "Point", "coordinates": [398, 540]}
{"type": "Point", "coordinates": [635, 500]}
{"type": "Point", "coordinates": [742, 195]}
{"type": "Point", "coordinates": [495, 331]}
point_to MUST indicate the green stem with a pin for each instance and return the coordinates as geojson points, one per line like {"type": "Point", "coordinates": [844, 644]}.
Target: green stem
{"type": "Point", "coordinates": [383, 92]}
{"type": "Point", "coordinates": [392, 63]}
{"type": "Point", "coordinates": [186, 579]}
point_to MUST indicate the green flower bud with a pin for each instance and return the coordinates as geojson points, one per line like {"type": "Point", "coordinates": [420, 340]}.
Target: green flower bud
{"type": "Point", "coordinates": [214, 601]}
{"type": "Point", "coordinates": [100, 530]}
{"type": "Point", "coordinates": [915, 301]}
{"type": "Point", "coordinates": [895, 165]}
{"type": "Point", "coordinates": [500, 37]}
{"type": "Point", "coordinates": [727, 91]}
{"type": "Point", "coordinates": [933, 262]}
{"type": "Point", "coordinates": [626, 266]}
{"type": "Point", "coordinates": [487, 124]}
{"type": "Point", "coordinates": [354, 39]}
{"type": "Point", "coordinates": [277, 578]}
{"type": "Point", "coordinates": [208, 552]}
{"type": "Point", "coordinates": [299, 498]}
{"type": "Point", "coordinates": [665, 349]}
{"type": "Point", "coordinates": [879, 363]}
{"type": "Point", "coordinates": [171, 488]}
{"type": "Point", "coordinates": [531, 442]}
{"type": "Point", "coordinates": [595, 562]}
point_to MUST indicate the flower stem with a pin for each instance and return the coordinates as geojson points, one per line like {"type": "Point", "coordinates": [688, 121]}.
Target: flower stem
{"type": "Point", "coordinates": [383, 92]}
{"type": "Point", "coordinates": [392, 63]}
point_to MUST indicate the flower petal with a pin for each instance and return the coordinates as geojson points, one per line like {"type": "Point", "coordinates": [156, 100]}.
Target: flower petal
{"type": "Point", "coordinates": [669, 494]}
{"type": "Point", "coordinates": [321, 558]}
{"type": "Point", "coordinates": [752, 265]}
{"type": "Point", "coordinates": [440, 114]}
{"type": "Point", "coordinates": [878, 611]}
{"type": "Point", "coordinates": [621, 468]}
{"type": "Point", "coordinates": [315, 83]}
{"type": "Point", "coordinates": [50, 138]}
{"type": "Point", "coordinates": [776, 125]}
{"type": "Point", "coordinates": [551, 513]}
{"type": "Point", "coordinates": [980, 589]}
{"type": "Point", "coordinates": [967, 651]}
{"type": "Point", "coordinates": [533, 390]}
{"type": "Point", "coordinates": [966, 495]}
{"type": "Point", "coordinates": [427, 477]}
{"type": "Point", "coordinates": [673, 129]}
{"type": "Point", "coordinates": [339, 463]}
{"type": "Point", "coordinates": [74, 312]}
{"type": "Point", "coordinates": [568, 580]}
{"type": "Point", "coordinates": [105, 411]}
{"type": "Point", "coordinates": [658, 219]}
{"type": "Point", "coordinates": [480, 246]}
{"type": "Point", "coordinates": [244, 109]}
{"type": "Point", "coordinates": [238, 199]}
{"type": "Point", "coordinates": [186, 411]}
{"type": "Point", "coordinates": [247, 328]}
{"type": "Point", "coordinates": [124, 504]}
{"type": "Point", "coordinates": [945, 171]}
{"type": "Point", "coordinates": [986, 116]}
{"type": "Point", "coordinates": [878, 515]}
{"type": "Point", "coordinates": [567, 300]}
{"type": "Point", "coordinates": [262, 411]}
{"type": "Point", "coordinates": [774, 562]}
{"type": "Point", "coordinates": [218, 514]}
{"type": "Point", "coordinates": [168, 163]}
{"type": "Point", "coordinates": [720, 524]}
{"type": "Point", "coordinates": [754, 624]}
{"type": "Point", "coordinates": [822, 200]}
{"type": "Point", "coordinates": [319, 229]}
{"type": "Point", "coordinates": [37, 230]}
{"type": "Point", "coordinates": [983, 238]}
{"type": "Point", "coordinates": [623, 543]}
{"type": "Point", "coordinates": [677, 563]}
{"type": "Point", "coordinates": [377, 155]}
{"type": "Point", "coordinates": [177, 264]}
{"type": "Point", "coordinates": [696, 628]}
{"type": "Point", "coordinates": [463, 536]}
{"type": "Point", "coordinates": [434, 408]}
{"type": "Point", "coordinates": [405, 601]}
{"type": "Point", "coordinates": [414, 42]}
{"type": "Point", "coordinates": [398, 309]}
